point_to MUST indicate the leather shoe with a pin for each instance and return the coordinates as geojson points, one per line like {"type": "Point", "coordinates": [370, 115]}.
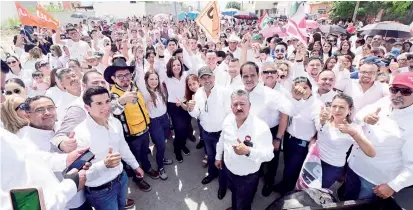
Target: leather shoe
{"type": "Point", "coordinates": [207, 180]}
{"type": "Point", "coordinates": [221, 193]}
{"type": "Point", "coordinates": [129, 203]}
{"type": "Point", "coordinates": [266, 190]}
{"type": "Point", "coordinates": [200, 144]}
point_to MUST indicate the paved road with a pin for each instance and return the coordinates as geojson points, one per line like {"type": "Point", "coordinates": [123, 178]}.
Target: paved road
{"type": "Point", "coordinates": [183, 189]}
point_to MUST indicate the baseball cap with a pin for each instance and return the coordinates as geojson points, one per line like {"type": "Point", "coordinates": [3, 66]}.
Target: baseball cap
{"type": "Point", "coordinates": [205, 70]}
{"type": "Point", "coordinates": [405, 78]}
{"type": "Point", "coordinates": [395, 52]}
{"type": "Point", "coordinates": [374, 59]}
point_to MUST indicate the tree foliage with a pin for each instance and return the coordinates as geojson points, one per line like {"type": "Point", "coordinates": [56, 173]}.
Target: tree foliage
{"type": "Point", "coordinates": [233, 4]}
{"type": "Point", "coordinates": [393, 10]}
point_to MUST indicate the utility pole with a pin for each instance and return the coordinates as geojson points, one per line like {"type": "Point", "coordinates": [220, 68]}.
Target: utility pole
{"type": "Point", "coordinates": [355, 11]}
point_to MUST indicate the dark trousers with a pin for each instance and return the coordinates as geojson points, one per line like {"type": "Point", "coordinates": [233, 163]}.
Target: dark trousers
{"type": "Point", "coordinates": [180, 121]}
{"type": "Point", "coordinates": [201, 134]}
{"type": "Point", "coordinates": [272, 166]}
{"type": "Point", "coordinates": [243, 189]}
{"type": "Point", "coordinates": [294, 156]}
{"type": "Point", "coordinates": [158, 129]}
{"type": "Point", "coordinates": [331, 174]}
{"type": "Point", "coordinates": [139, 147]}
{"type": "Point", "coordinates": [210, 141]}
{"type": "Point", "coordinates": [85, 206]}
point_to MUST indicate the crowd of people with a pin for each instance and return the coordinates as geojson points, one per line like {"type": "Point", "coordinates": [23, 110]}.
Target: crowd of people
{"type": "Point", "coordinates": [113, 88]}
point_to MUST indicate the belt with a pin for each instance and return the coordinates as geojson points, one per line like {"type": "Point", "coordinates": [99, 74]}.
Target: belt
{"type": "Point", "coordinates": [142, 132]}
{"type": "Point", "coordinates": [106, 185]}
{"type": "Point", "coordinates": [213, 133]}
{"type": "Point", "coordinates": [300, 142]}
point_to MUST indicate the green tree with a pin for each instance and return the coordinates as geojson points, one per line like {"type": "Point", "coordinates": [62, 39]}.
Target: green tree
{"type": "Point", "coordinates": [233, 4]}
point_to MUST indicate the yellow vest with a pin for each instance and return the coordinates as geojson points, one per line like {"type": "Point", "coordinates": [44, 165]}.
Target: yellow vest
{"type": "Point", "coordinates": [136, 115]}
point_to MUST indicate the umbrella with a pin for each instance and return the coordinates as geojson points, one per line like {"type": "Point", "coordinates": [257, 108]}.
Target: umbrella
{"type": "Point", "coordinates": [312, 24]}
{"type": "Point", "coordinates": [246, 15]}
{"type": "Point", "coordinates": [182, 16]}
{"type": "Point", "coordinates": [78, 15]}
{"type": "Point", "coordinates": [332, 29]}
{"type": "Point", "coordinates": [160, 17]}
{"type": "Point", "coordinates": [192, 15]}
{"type": "Point", "coordinates": [271, 31]}
{"type": "Point", "coordinates": [387, 29]}
{"type": "Point", "coordinates": [94, 18]}
{"type": "Point", "coordinates": [229, 12]}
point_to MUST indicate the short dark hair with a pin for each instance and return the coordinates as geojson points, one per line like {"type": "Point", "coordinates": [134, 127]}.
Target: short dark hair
{"type": "Point", "coordinates": [179, 50]}
{"type": "Point", "coordinates": [282, 43]}
{"type": "Point", "coordinates": [265, 50]}
{"type": "Point", "coordinates": [16, 81]}
{"type": "Point", "coordinates": [257, 69]}
{"type": "Point", "coordinates": [149, 53]}
{"type": "Point", "coordinates": [234, 60]}
{"type": "Point", "coordinates": [349, 101]}
{"type": "Point", "coordinates": [30, 100]}
{"type": "Point", "coordinates": [169, 65]}
{"type": "Point", "coordinates": [303, 79]}
{"type": "Point", "coordinates": [70, 28]}
{"type": "Point", "coordinates": [85, 77]}
{"type": "Point", "coordinates": [220, 54]}
{"type": "Point", "coordinates": [37, 74]}
{"type": "Point", "coordinates": [92, 91]}
{"type": "Point", "coordinates": [172, 40]}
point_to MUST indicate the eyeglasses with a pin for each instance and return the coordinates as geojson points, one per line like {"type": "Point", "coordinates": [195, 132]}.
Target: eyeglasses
{"type": "Point", "coordinates": [403, 91]}
{"type": "Point", "coordinates": [367, 72]}
{"type": "Point", "coordinates": [270, 72]}
{"type": "Point", "coordinates": [15, 91]}
{"type": "Point", "coordinates": [332, 40]}
{"type": "Point", "coordinates": [279, 50]}
{"type": "Point", "coordinates": [20, 106]}
{"type": "Point", "coordinates": [42, 110]}
{"type": "Point", "coordinates": [124, 76]}
{"type": "Point", "coordinates": [11, 62]}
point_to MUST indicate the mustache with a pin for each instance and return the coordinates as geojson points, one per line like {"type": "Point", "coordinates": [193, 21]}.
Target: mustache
{"type": "Point", "coordinates": [398, 99]}
{"type": "Point", "coordinates": [73, 82]}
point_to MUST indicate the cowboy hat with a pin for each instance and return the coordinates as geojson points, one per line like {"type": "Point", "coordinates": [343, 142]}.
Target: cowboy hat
{"type": "Point", "coordinates": [233, 38]}
{"type": "Point", "coordinates": [118, 64]}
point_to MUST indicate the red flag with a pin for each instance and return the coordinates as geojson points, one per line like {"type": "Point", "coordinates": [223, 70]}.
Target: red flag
{"type": "Point", "coordinates": [50, 21]}
{"type": "Point", "coordinates": [25, 17]}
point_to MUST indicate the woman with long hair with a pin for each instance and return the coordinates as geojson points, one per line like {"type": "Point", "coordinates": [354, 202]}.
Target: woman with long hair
{"type": "Point", "coordinates": [56, 58]}
{"type": "Point", "coordinates": [327, 51]}
{"type": "Point", "coordinates": [56, 89]}
{"type": "Point", "coordinates": [35, 54]}
{"type": "Point", "coordinates": [15, 87]}
{"type": "Point", "coordinates": [17, 71]}
{"type": "Point", "coordinates": [336, 133]}
{"type": "Point", "coordinates": [13, 114]}
{"type": "Point", "coordinates": [345, 49]}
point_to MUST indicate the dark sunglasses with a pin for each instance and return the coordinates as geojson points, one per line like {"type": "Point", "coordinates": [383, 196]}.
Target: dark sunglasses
{"type": "Point", "coordinates": [11, 62]}
{"type": "Point", "coordinates": [403, 91]}
{"type": "Point", "coordinates": [20, 106]}
{"type": "Point", "coordinates": [279, 50]}
{"type": "Point", "coordinates": [332, 40]}
{"type": "Point", "coordinates": [270, 71]}
{"type": "Point", "coordinates": [8, 92]}
{"type": "Point", "coordinates": [409, 57]}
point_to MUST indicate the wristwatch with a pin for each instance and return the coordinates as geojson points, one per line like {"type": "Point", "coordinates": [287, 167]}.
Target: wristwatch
{"type": "Point", "coordinates": [277, 139]}
{"type": "Point", "coordinates": [248, 154]}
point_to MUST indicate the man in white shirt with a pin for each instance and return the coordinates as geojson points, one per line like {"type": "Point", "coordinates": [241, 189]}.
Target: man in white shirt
{"type": "Point", "coordinates": [106, 187]}
{"type": "Point", "coordinates": [78, 49]}
{"type": "Point", "coordinates": [244, 144]}
{"type": "Point", "coordinates": [235, 81]}
{"type": "Point", "coordinates": [388, 126]}
{"type": "Point", "coordinates": [211, 105]}
{"type": "Point", "coordinates": [272, 107]}
{"type": "Point", "coordinates": [324, 90]}
{"type": "Point", "coordinates": [269, 78]}
{"type": "Point", "coordinates": [25, 170]}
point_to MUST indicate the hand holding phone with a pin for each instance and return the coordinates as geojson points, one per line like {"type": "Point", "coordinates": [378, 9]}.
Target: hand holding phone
{"type": "Point", "coordinates": [83, 156]}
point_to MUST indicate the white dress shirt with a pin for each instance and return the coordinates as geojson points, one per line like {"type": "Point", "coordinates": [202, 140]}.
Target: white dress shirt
{"type": "Point", "coordinates": [99, 139]}
{"type": "Point", "coordinates": [30, 171]}
{"type": "Point", "coordinates": [267, 104]}
{"type": "Point", "coordinates": [39, 140]}
{"type": "Point", "coordinates": [211, 110]}
{"type": "Point", "coordinates": [392, 137]}
{"type": "Point", "coordinates": [334, 144]}
{"type": "Point", "coordinates": [54, 93]}
{"type": "Point", "coordinates": [326, 97]}
{"type": "Point", "coordinates": [304, 118]}
{"type": "Point", "coordinates": [78, 49]}
{"type": "Point", "coordinates": [235, 83]}
{"type": "Point", "coordinates": [260, 136]}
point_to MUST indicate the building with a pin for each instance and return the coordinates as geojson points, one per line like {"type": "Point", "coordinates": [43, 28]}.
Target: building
{"type": "Point", "coordinates": [260, 7]}
{"type": "Point", "coordinates": [320, 9]}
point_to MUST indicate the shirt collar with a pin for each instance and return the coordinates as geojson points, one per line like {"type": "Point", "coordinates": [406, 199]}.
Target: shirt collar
{"type": "Point", "coordinates": [259, 89]}
{"type": "Point", "coordinates": [37, 133]}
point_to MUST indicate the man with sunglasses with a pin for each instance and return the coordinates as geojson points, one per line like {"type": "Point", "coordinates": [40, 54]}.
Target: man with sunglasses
{"type": "Point", "coordinates": [78, 49]}
{"type": "Point", "coordinates": [408, 63]}
{"type": "Point", "coordinates": [280, 51]}
{"type": "Point", "coordinates": [388, 126]}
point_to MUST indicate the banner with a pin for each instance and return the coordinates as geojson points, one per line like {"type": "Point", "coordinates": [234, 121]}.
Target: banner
{"type": "Point", "coordinates": [25, 17]}
{"type": "Point", "coordinates": [263, 22]}
{"type": "Point", "coordinates": [208, 20]}
{"type": "Point", "coordinates": [50, 21]}
{"type": "Point", "coordinates": [296, 23]}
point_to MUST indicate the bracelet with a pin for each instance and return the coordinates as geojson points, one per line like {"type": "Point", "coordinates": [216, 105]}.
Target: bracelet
{"type": "Point", "coordinates": [298, 61]}
{"type": "Point", "coordinates": [161, 56]}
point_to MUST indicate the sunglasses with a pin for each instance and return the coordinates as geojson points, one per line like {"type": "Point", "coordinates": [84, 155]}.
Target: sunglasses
{"type": "Point", "coordinates": [403, 91]}
{"type": "Point", "coordinates": [15, 91]}
{"type": "Point", "coordinates": [332, 40]}
{"type": "Point", "coordinates": [409, 57]}
{"type": "Point", "coordinates": [279, 50]}
{"type": "Point", "coordinates": [11, 62]}
{"type": "Point", "coordinates": [20, 106]}
{"type": "Point", "coordinates": [270, 72]}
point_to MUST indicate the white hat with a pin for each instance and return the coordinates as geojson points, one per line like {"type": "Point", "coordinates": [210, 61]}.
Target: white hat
{"type": "Point", "coordinates": [233, 38]}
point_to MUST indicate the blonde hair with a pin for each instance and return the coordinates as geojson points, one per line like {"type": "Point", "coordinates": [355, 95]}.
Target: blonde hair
{"type": "Point", "coordinates": [11, 121]}
{"type": "Point", "coordinates": [35, 53]}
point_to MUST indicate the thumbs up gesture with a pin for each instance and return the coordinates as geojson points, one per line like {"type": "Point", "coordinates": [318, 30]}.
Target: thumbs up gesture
{"type": "Point", "coordinates": [345, 127]}
{"type": "Point", "coordinates": [191, 103]}
{"type": "Point", "coordinates": [68, 143]}
{"type": "Point", "coordinates": [112, 159]}
{"type": "Point", "coordinates": [325, 115]}
{"type": "Point", "coordinates": [372, 118]}
{"type": "Point", "coordinates": [241, 148]}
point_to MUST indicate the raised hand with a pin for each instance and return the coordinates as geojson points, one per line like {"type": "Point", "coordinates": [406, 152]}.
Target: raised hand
{"type": "Point", "coordinates": [345, 127]}
{"type": "Point", "coordinates": [372, 118]}
{"type": "Point", "coordinates": [241, 148]}
{"type": "Point", "coordinates": [325, 115]}
{"type": "Point", "coordinates": [112, 159]}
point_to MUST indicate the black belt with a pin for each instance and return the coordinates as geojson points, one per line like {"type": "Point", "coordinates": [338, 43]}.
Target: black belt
{"type": "Point", "coordinates": [106, 185]}
{"type": "Point", "coordinates": [300, 142]}
{"type": "Point", "coordinates": [213, 133]}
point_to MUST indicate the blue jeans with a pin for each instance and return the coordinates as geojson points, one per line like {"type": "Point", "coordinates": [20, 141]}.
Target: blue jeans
{"type": "Point", "coordinates": [139, 146]}
{"type": "Point", "coordinates": [180, 121]}
{"type": "Point", "coordinates": [110, 198]}
{"type": "Point", "coordinates": [355, 187]}
{"type": "Point", "coordinates": [294, 156]}
{"type": "Point", "coordinates": [243, 189]}
{"type": "Point", "coordinates": [331, 174]}
{"type": "Point", "coordinates": [158, 129]}
{"type": "Point", "coordinates": [210, 141]}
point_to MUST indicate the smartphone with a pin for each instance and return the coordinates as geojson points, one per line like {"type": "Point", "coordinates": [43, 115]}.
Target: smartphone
{"type": "Point", "coordinates": [27, 199]}
{"type": "Point", "coordinates": [80, 162]}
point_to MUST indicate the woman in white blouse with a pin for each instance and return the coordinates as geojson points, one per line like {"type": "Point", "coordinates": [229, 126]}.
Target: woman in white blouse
{"type": "Point", "coordinates": [17, 71]}
{"type": "Point", "coordinates": [155, 100]}
{"type": "Point", "coordinates": [301, 129]}
{"type": "Point", "coordinates": [56, 58]}
{"type": "Point", "coordinates": [336, 133]}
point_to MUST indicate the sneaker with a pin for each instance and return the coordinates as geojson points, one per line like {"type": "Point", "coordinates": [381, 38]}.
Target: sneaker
{"type": "Point", "coordinates": [186, 151]}
{"type": "Point", "coordinates": [162, 174]}
{"type": "Point", "coordinates": [205, 162]}
{"type": "Point", "coordinates": [130, 203]}
{"type": "Point", "coordinates": [179, 158]}
{"type": "Point", "coordinates": [143, 186]}
{"type": "Point", "coordinates": [153, 174]}
{"type": "Point", "coordinates": [167, 161]}
{"type": "Point", "coordinates": [200, 144]}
